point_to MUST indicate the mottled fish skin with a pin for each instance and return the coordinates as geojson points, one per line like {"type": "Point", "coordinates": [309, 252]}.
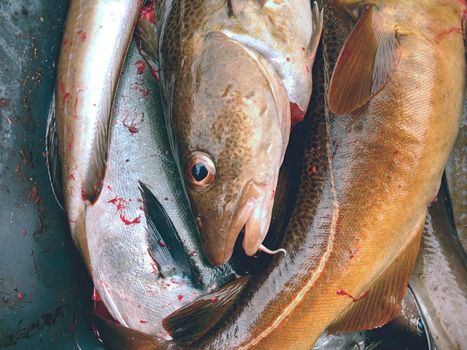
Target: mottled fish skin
{"type": "Point", "coordinates": [95, 40]}
{"type": "Point", "coordinates": [439, 281]}
{"type": "Point", "coordinates": [227, 99]}
{"type": "Point", "coordinates": [367, 180]}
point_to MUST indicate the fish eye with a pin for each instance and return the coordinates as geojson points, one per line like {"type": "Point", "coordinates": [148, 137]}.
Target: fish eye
{"type": "Point", "coordinates": [200, 171]}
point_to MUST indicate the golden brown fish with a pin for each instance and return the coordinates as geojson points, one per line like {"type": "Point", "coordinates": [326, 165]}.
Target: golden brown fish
{"type": "Point", "coordinates": [232, 73]}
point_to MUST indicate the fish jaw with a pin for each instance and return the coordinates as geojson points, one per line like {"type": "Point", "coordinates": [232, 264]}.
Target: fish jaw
{"type": "Point", "coordinates": [253, 214]}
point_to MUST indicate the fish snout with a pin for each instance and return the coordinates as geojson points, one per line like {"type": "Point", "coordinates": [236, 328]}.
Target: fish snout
{"type": "Point", "coordinates": [253, 214]}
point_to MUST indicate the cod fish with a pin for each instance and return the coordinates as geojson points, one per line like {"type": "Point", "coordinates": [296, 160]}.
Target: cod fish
{"type": "Point", "coordinates": [134, 229]}
{"type": "Point", "coordinates": [376, 141]}
{"type": "Point", "coordinates": [233, 73]}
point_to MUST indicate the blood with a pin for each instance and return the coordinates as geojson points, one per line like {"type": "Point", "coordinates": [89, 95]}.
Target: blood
{"type": "Point", "coordinates": [148, 13]}
{"type": "Point", "coordinates": [83, 195]}
{"type": "Point", "coordinates": [141, 88]}
{"type": "Point", "coordinates": [447, 32]}
{"type": "Point", "coordinates": [20, 296]}
{"type": "Point", "coordinates": [180, 297]}
{"type": "Point", "coordinates": [288, 59]}
{"type": "Point", "coordinates": [72, 177]}
{"type": "Point", "coordinates": [119, 203]}
{"type": "Point", "coordinates": [344, 293]}
{"type": "Point", "coordinates": [297, 115]}
{"type": "Point", "coordinates": [311, 170]}
{"type": "Point", "coordinates": [82, 35]}
{"type": "Point", "coordinates": [127, 222]}
{"type": "Point", "coordinates": [153, 263]}
{"type": "Point", "coordinates": [161, 243]}
{"type": "Point", "coordinates": [34, 195]}
{"type": "Point", "coordinates": [65, 94]}
{"type": "Point", "coordinates": [143, 321]}
{"type": "Point", "coordinates": [214, 299]}
{"type": "Point", "coordinates": [154, 73]}
{"type": "Point", "coordinates": [75, 109]}
{"type": "Point", "coordinates": [4, 102]}
{"type": "Point", "coordinates": [140, 67]}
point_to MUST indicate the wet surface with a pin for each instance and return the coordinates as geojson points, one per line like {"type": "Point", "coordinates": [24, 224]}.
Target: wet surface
{"type": "Point", "coordinates": [44, 289]}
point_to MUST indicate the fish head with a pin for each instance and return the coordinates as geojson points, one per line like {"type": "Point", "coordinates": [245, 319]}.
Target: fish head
{"type": "Point", "coordinates": [232, 127]}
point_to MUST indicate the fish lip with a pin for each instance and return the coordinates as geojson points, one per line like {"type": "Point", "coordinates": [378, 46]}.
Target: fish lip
{"type": "Point", "coordinates": [254, 195]}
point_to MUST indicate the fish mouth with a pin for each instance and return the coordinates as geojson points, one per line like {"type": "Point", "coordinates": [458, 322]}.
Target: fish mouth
{"type": "Point", "coordinates": [253, 216]}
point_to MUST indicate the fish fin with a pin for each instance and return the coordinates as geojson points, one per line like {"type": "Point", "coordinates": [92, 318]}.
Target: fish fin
{"type": "Point", "coordinates": [365, 63]}
{"type": "Point", "coordinates": [189, 323]}
{"type": "Point", "coordinates": [146, 37]}
{"type": "Point", "coordinates": [54, 166]}
{"type": "Point", "coordinates": [317, 29]}
{"type": "Point", "coordinates": [166, 245]}
{"type": "Point", "coordinates": [382, 301]}
{"type": "Point", "coordinates": [117, 337]}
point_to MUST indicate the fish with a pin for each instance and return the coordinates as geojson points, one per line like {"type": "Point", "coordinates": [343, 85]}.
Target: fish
{"type": "Point", "coordinates": [371, 166]}
{"type": "Point", "coordinates": [135, 230]}
{"type": "Point", "coordinates": [439, 281]}
{"type": "Point", "coordinates": [234, 76]}
{"type": "Point", "coordinates": [456, 175]}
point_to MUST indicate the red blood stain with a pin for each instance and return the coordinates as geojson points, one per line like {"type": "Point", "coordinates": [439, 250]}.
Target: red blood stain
{"type": "Point", "coordinates": [66, 42]}
{"type": "Point", "coordinates": [109, 187]}
{"type": "Point", "coordinates": [70, 145]}
{"type": "Point", "coordinates": [82, 35]}
{"type": "Point", "coordinates": [154, 73]}
{"type": "Point", "coordinates": [180, 297]}
{"type": "Point", "coordinates": [72, 177]}
{"type": "Point", "coordinates": [143, 321]}
{"type": "Point", "coordinates": [441, 35]}
{"type": "Point", "coordinates": [148, 13]}
{"type": "Point", "coordinates": [311, 170]}
{"type": "Point", "coordinates": [303, 49]}
{"type": "Point", "coordinates": [344, 293]}
{"type": "Point", "coordinates": [296, 114]}
{"type": "Point", "coordinates": [138, 86]}
{"type": "Point", "coordinates": [140, 66]}
{"type": "Point", "coordinates": [214, 299]}
{"type": "Point", "coordinates": [83, 195]}
{"type": "Point", "coordinates": [127, 222]}
{"type": "Point", "coordinates": [161, 243]}
{"type": "Point", "coordinates": [20, 296]}
{"type": "Point", "coordinates": [288, 59]}
{"type": "Point", "coordinates": [119, 203]}
{"type": "Point", "coordinates": [75, 108]}
{"type": "Point", "coordinates": [178, 283]}
{"type": "Point", "coordinates": [65, 94]}
{"type": "Point", "coordinates": [34, 195]}
{"type": "Point", "coordinates": [153, 263]}
{"type": "Point", "coordinates": [4, 102]}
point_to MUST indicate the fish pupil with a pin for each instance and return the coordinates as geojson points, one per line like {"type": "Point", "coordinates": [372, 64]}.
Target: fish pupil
{"type": "Point", "coordinates": [199, 171]}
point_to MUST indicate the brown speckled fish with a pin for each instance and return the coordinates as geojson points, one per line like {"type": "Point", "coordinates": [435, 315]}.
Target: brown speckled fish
{"type": "Point", "coordinates": [233, 73]}
{"type": "Point", "coordinates": [370, 171]}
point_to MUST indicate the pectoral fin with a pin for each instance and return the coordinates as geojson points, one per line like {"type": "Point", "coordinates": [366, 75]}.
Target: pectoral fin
{"type": "Point", "coordinates": [381, 302]}
{"type": "Point", "coordinates": [189, 323]}
{"type": "Point", "coordinates": [54, 165]}
{"type": "Point", "coordinates": [146, 37]}
{"type": "Point", "coordinates": [166, 245]}
{"type": "Point", "coordinates": [366, 61]}
{"type": "Point", "coordinates": [117, 337]}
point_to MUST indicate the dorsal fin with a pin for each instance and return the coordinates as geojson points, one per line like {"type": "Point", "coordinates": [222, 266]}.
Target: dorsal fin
{"type": "Point", "coordinates": [381, 302]}
{"type": "Point", "coordinates": [189, 323]}
{"type": "Point", "coordinates": [54, 165]}
{"type": "Point", "coordinates": [166, 246]}
{"type": "Point", "coordinates": [117, 337]}
{"type": "Point", "coordinates": [366, 61]}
